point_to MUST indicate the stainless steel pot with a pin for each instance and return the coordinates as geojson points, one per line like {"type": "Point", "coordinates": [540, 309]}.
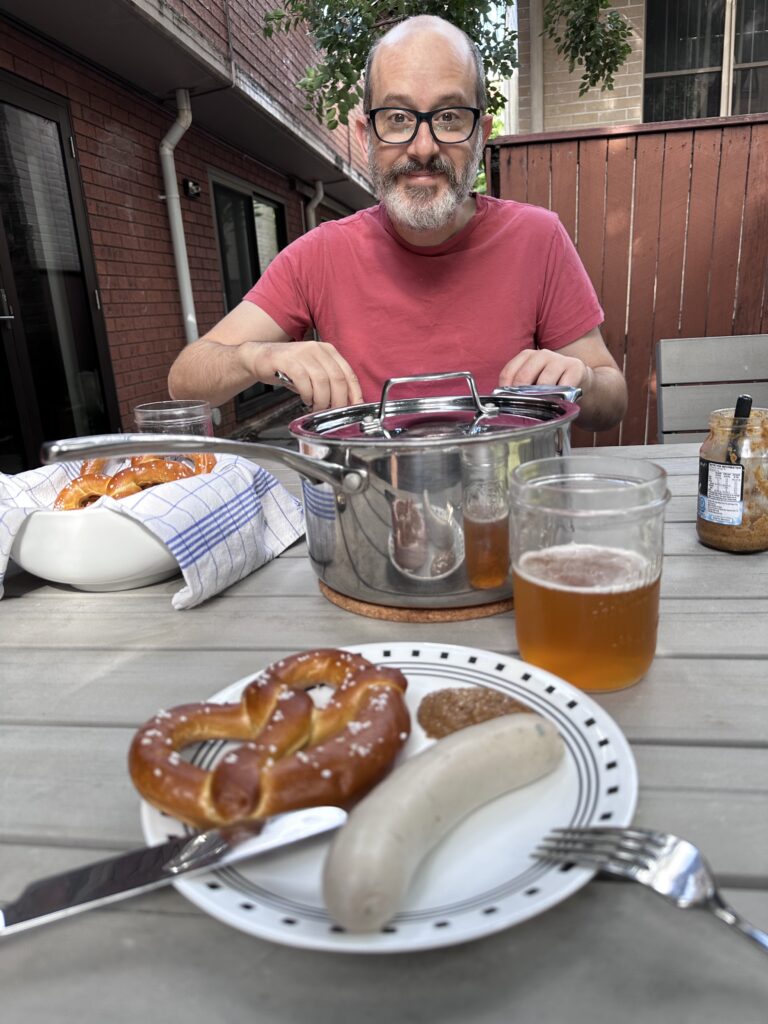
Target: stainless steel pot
{"type": "Point", "coordinates": [390, 487]}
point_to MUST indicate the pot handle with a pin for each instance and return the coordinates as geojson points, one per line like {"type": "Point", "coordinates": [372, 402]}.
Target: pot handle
{"type": "Point", "coordinates": [350, 481]}
{"type": "Point", "coordinates": [374, 423]}
{"type": "Point", "coordinates": [564, 391]}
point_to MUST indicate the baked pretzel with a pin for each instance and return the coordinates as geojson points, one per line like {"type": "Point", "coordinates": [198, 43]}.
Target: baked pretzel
{"type": "Point", "coordinates": [137, 478]}
{"type": "Point", "coordinates": [93, 466]}
{"type": "Point", "coordinates": [202, 462]}
{"type": "Point", "coordinates": [82, 491]}
{"type": "Point", "coordinates": [295, 755]}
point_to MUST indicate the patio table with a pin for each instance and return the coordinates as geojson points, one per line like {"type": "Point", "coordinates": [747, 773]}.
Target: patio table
{"type": "Point", "coordinates": [80, 671]}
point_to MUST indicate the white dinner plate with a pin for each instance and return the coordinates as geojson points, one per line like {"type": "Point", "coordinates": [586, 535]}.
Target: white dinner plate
{"type": "Point", "coordinates": [481, 878]}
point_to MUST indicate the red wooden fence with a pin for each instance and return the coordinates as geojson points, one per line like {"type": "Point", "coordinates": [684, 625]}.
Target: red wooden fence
{"type": "Point", "coordinates": [671, 221]}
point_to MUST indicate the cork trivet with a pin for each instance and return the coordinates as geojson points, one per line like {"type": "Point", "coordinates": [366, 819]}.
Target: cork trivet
{"type": "Point", "coordinates": [390, 614]}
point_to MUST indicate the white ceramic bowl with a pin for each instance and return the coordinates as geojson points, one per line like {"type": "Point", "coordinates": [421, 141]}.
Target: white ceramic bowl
{"type": "Point", "coordinates": [91, 549]}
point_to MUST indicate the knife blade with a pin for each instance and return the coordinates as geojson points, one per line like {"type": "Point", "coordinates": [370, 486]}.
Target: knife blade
{"type": "Point", "coordinates": [140, 871]}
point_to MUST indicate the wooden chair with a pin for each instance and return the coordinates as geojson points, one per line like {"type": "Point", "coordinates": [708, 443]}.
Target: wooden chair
{"type": "Point", "coordinates": [696, 375]}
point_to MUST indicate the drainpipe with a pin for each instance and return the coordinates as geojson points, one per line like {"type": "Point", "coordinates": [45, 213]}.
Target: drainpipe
{"type": "Point", "coordinates": [536, 20]}
{"type": "Point", "coordinates": [167, 146]}
{"type": "Point", "coordinates": [313, 204]}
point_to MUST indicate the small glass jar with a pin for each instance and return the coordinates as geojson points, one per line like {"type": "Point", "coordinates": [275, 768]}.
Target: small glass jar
{"type": "Point", "coordinates": [732, 510]}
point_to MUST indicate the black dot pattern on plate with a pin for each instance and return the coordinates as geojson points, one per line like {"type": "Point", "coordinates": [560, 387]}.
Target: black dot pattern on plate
{"type": "Point", "coordinates": [591, 753]}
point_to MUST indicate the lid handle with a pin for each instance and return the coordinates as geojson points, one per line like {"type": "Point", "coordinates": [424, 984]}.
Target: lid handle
{"type": "Point", "coordinates": [376, 424]}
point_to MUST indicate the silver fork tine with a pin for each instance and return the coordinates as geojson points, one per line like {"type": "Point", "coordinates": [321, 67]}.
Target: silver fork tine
{"type": "Point", "coordinates": [670, 866]}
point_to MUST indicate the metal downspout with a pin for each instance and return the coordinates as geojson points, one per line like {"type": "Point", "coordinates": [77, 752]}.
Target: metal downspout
{"type": "Point", "coordinates": [167, 146]}
{"type": "Point", "coordinates": [313, 204]}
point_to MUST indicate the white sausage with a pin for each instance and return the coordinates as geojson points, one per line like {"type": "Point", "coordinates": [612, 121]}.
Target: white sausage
{"type": "Point", "coordinates": [375, 855]}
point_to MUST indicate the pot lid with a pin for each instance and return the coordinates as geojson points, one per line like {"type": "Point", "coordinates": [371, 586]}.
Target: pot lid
{"type": "Point", "coordinates": [418, 420]}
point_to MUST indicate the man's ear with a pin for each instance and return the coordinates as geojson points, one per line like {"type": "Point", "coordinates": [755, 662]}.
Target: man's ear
{"type": "Point", "coordinates": [486, 126]}
{"type": "Point", "coordinates": [361, 131]}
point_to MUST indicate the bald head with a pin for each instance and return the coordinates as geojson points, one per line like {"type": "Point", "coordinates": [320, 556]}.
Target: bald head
{"type": "Point", "coordinates": [419, 36]}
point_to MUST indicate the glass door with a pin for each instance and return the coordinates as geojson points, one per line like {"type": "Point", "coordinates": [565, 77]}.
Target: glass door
{"type": "Point", "coordinates": [54, 362]}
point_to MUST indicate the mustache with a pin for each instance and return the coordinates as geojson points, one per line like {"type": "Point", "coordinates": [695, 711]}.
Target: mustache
{"type": "Point", "coordinates": [435, 165]}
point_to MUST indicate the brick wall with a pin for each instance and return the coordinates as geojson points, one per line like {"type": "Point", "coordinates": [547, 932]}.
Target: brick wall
{"type": "Point", "coordinates": [563, 107]}
{"type": "Point", "coordinates": [280, 61]}
{"type": "Point", "coordinates": [117, 136]}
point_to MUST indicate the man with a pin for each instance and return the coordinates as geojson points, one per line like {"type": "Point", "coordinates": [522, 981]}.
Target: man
{"type": "Point", "coordinates": [433, 279]}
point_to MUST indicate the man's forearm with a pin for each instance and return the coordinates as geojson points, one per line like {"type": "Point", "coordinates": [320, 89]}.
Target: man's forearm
{"type": "Point", "coordinates": [604, 401]}
{"type": "Point", "coordinates": [210, 370]}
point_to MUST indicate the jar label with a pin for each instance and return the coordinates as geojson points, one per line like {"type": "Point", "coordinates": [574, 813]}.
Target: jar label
{"type": "Point", "coordinates": [721, 492]}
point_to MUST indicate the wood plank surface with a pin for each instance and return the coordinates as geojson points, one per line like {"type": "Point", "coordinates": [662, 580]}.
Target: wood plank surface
{"type": "Point", "coordinates": [638, 367]}
{"type": "Point", "coordinates": [81, 671]}
{"type": "Point", "coordinates": [701, 222]}
{"type": "Point", "coordinates": [612, 953]}
{"type": "Point", "coordinates": [753, 255]}
{"type": "Point", "coordinates": [734, 162]}
{"type": "Point", "coordinates": [618, 217]}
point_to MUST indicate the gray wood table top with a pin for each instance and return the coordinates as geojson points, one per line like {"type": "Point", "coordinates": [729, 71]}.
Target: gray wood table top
{"type": "Point", "coordinates": [80, 671]}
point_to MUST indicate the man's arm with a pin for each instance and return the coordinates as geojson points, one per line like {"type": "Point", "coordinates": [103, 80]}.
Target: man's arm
{"type": "Point", "coordinates": [249, 346]}
{"type": "Point", "coordinates": [585, 363]}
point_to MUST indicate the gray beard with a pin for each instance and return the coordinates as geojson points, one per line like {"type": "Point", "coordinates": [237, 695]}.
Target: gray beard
{"type": "Point", "coordinates": [418, 207]}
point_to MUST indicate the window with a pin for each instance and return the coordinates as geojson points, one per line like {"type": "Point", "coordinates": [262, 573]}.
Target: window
{"type": "Point", "coordinates": [705, 58]}
{"type": "Point", "coordinates": [251, 231]}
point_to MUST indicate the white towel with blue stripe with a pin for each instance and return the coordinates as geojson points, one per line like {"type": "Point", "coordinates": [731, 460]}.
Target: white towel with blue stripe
{"type": "Point", "coordinates": [219, 526]}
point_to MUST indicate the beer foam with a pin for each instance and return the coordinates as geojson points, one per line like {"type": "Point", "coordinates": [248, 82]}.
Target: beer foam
{"type": "Point", "coordinates": [586, 567]}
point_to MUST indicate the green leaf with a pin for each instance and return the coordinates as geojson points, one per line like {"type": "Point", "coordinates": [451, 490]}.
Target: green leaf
{"type": "Point", "coordinates": [589, 32]}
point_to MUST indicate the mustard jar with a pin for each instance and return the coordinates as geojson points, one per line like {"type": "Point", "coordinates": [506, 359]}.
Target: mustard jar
{"type": "Point", "coordinates": [732, 510]}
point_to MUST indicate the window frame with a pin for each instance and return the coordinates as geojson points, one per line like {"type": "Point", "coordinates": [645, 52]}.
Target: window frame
{"type": "Point", "coordinates": [727, 69]}
{"type": "Point", "coordinates": [268, 395]}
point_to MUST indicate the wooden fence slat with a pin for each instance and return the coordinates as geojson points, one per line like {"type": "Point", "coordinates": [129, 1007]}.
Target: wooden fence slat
{"type": "Point", "coordinates": [701, 225]}
{"type": "Point", "coordinates": [754, 243]}
{"type": "Point", "coordinates": [513, 173]}
{"type": "Point", "coordinates": [538, 175]}
{"type": "Point", "coordinates": [675, 188]}
{"type": "Point", "coordinates": [590, 221]}
{"type": "Point", "coordinates": [618, 216]}
{"type": "Point", "coordinates": [564, 168]}
{"type": "Point", "coordinates": [645, 242]}
{"type": "Point", "coordinates": [698, 221]}
{"type": "Point", "coordinates": [728, 213]}
{"type": "Point", "coordinates": [591, 209]}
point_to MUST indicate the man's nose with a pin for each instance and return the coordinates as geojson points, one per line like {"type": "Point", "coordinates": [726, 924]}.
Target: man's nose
{"type": "Point", "coordinates": [422, 146]}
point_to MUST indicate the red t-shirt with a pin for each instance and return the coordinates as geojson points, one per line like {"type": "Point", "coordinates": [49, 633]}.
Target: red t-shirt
{"type": "Point", "coordinates": [510, 279]}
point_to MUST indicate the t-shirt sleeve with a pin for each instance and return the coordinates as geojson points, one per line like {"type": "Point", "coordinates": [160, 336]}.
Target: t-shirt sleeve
{"type": "Point", "coordinates": [282, 289]}
{"type": "Point", "coordinates": [568, 305]}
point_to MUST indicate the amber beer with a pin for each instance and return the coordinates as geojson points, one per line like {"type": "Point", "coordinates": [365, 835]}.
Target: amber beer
{"type": "Point", "coordinates": [588, 614]}
{"type": "Point", "coordinates": [486, 551]}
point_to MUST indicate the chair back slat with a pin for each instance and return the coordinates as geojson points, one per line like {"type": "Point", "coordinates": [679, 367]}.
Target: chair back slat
{"type": "Point", "coordinates": [696, 375]}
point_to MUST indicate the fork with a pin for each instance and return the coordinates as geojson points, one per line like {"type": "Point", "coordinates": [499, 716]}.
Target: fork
{"type": "Point", "coordinates": [672, 867]}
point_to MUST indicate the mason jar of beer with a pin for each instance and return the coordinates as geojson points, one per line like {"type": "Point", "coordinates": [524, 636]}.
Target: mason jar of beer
{"type": "Point", "coordinates": [485, 516]}
{"type": "Point", "coordinates": [587, 545]}
{"type": "Point", "coordinates": [732, 512]}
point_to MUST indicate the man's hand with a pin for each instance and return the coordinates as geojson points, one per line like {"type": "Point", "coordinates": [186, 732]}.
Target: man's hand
{"type": "Point", "coordinates": [585, 363]}
{"type": "Point", "coordinates": [249, 346]}
{"type": "Point", "coordinates": [540, 366]}
{"type": "Point", "coordinates": [318, 373]}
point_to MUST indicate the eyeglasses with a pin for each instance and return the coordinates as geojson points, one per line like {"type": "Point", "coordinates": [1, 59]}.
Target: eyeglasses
{"type": "Point", "coordinates": [398, 126]}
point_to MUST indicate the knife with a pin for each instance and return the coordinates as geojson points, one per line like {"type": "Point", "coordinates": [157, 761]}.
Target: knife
{"type": "Point", "coordinates": [129, 874]}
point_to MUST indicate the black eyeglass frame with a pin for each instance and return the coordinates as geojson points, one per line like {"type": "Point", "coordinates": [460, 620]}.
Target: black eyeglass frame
{"type": "Point", "coordinates": [423, 116]}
